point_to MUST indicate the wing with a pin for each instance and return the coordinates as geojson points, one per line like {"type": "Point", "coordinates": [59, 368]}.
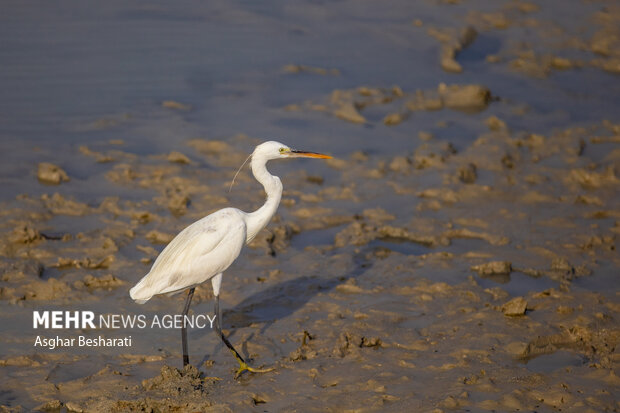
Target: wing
{"type": "Point", "coordinates": [205, 248]}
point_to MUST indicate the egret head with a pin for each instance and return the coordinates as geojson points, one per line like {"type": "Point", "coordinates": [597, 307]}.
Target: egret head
{"type": "Point", "coordinates": [276, 150]}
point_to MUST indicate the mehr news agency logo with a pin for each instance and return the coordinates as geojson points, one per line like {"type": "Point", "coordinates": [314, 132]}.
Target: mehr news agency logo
{"type": "Point", "coordinates": [84, 320]}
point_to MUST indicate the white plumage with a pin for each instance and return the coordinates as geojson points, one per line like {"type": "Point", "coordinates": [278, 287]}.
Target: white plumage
{"type": "Point", "coordinates": [204, 249]}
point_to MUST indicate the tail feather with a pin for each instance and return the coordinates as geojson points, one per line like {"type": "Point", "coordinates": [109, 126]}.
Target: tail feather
{"type": "Point", "coordinates": [138, 294]}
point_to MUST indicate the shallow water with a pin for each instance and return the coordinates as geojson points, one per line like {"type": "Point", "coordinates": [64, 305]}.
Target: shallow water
{"type": "Point", "coordinates": [458, 254]}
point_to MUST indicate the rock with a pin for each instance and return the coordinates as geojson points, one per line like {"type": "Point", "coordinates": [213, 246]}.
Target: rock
{"type": "Point", "coordinates": [51, 174]}
{"type": "Point", "coordinates": [515, 307]}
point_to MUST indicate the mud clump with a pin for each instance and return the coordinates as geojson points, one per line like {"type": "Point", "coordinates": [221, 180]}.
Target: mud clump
{"type": "Point", "coordinates": [51, 289]}
{"type": "Point", "coordinates": [106, 282]}
{"type": "Point", "coordinates": [304, 351]}
{"type": "Point", "coordinates": [51, 174]}
{"type": "Point", "coordinates": [172, 390]}
{"type": "Point", "coordinates": [562, 270]}
{"type": "Point", "coordinates": [59, 205]}
{"type": "Point", "coordinates": [467, 98]}
{"type": "Point", "coordinates": [347, 111]}
{"type": "Point", "coordinates": [452, 42]}
{"type": "Point", "coordinates": [171, 104]}
{"type": "Point", "coordinates": [174, 381]}
{"type": "Point", "coordinates": [468, 174]}
{"type": "Point", "coordinates": [360, 233]}
{"type": "Point", "coordinates": [178, 157]}
{"type": "Point", "coordinates": [87, 262]}
{"type": "Point", "coordinates": [593, 179]}
{"type": "Point", "coordinates": [515, 307]}
{"type": "Point", "coordinates": [25, 234]}
{"type": "Point", "coordinates": [296, 69]}
{"type": "Point", "coordinates": [351, 104]}
{"type": "Point", "coordinates": [209, 147]}
{"type": "Point", "coordinates": [351, 344]}
{"type": "Point", "coordinates": [22, 361]}
{"type": "Point", "coordinates": [394, 118]}
{"type": "Point", "coordinates": [276, 239]}
{"type": "Point", "coordinates": [595, 341]}
{"type": "Point", "coordinates": [495, 124]}
{"type": "Point", "coordinates": [177, 203]}
{"type": "Point", "coordinates": [50, 406]}
{"type": "Point", "coordinates": [400, 164]}
{"type": "Point", "coordinates": [158, 237]}
{"type": "Point", "coordinates": [493, 268]}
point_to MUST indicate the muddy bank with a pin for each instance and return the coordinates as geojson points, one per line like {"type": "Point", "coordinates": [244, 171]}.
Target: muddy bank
{"type": "Point", "coordinates": [458, 253]}
{"type": "Point", "coordinates": [338, 294]}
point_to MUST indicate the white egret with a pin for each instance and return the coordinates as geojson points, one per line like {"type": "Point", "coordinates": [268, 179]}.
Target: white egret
{"type": "Point", "coordinates": [206, 248]}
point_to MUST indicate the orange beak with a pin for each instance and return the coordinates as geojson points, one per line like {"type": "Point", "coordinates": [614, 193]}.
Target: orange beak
{"type": "Point", "coordinates": [304, 154]}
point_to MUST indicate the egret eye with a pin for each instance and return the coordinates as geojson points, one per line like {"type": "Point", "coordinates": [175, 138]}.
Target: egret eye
{"type": "Point", "coordinates": [282, 150]}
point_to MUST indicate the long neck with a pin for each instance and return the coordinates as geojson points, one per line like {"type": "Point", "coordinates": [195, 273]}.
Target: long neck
{"type": "Point", "coordinates": [258, 219]}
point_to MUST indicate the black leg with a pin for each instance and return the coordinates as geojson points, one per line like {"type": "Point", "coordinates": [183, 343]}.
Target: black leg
{"type": "Point", "coordinates": [218, 328]}
{"type": "Point", "coordinates": [188, 301]}
{"type": "Point", "coordinates": [243, 366]}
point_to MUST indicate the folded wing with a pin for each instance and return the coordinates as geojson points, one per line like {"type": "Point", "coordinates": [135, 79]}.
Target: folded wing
{"type": "Point", "coordinates": [202, 250]}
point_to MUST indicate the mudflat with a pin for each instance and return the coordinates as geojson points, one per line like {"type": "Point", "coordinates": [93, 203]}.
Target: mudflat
{"type": "Point", "coordinates": [459, 253]}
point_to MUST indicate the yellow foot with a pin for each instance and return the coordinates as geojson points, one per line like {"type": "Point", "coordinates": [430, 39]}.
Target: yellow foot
{"type": "Point", "coordinates": [243, 366]}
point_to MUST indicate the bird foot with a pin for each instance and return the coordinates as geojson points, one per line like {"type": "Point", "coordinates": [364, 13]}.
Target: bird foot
{"type": "Point", "coordinates": [243, 366]}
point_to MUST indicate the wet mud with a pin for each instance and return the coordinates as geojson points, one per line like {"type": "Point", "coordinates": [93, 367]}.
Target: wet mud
{"type": "Point", "coordinates": [459, 253]}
